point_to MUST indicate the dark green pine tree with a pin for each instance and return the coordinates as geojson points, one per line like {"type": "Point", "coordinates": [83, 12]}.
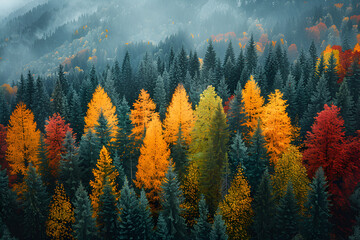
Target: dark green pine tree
{"type": "Point", "coordinates": [331, 75]}
{"type": "Point", "coordinates": [302, 98]}
{"type": "Point", "coordinates": [356, 235]}
{"type": "Point", "coordinates": [219, 73]}
{"type": "Point", "coordinates": [4, 109]}
{"type": "Point", "coordinates": [147, 74]}
{"type": "Point", "coordinates": [278, 81]}
{"type": "Point", "coordinates": [171, 200]}
{"type": "Point", "coordinates": [345, 102]}
{"type": "Point", "coordinates": [210, 58]}
{"type": "Point", "coordinates": [229, 53]}
{"type": "Point", "coordinates": [218, 231]}
{"type": "Point", "coordinates": [229, 75]}
{"type": "Point", "coordinates": [171, 57]}
{"type": "Point", "coordinates": [161, 232]}
{"type": "Point", "coordinates": [182, 64]}
{"type": "Point", "coordinates": [85, 225]}
{"type": "Point", "coordinates": [357, 112]}
{"type": "Point", "coordinates": [313, 55]}
{"type": "Point", "coordinates": [160, 65]}
{"type": "Point", "coordinates": [260, 78]}
{"type": "Point", "coordinates": [238, 154]}
{"type": "Point", "coordinates": [117, 77]}
{"type": "Point", "coordinates": [107, 220]}
{"type": "Point", "coordinates": [264, 210]}
{"type": "Point", "coordinates": [94, 82]}
{"type": "Point", "coordinates": [354, 78]}
{"type": "Point", "coordinates": [44, 169]}
{"type": "Point", "coordinates": [129, 213]}
{"type": "Point", "coordinates": [70, 166]}
{"type": "Point", "coordinates": [245, 75]}
{"type": "Point", "coordinates": [103, 132]}
{"type": "Point", "coordinates": [202, 227]}
{"type": "Point", "coordinates": [85, 95]}
{"type": "Point", "coordinates": [174, 75]}
{"type": "Point", "coordinates": [235, 114]}
{"type": "Point", "coordinates": [289, 90]}
{"type": "Point", "coordinates": [287, 216]}
{"type": "Point", "coordinates": [58, 101]}
{"type": "Point", "coordinates": [319, 98]}
{"type": "Point", "coordinates": [239, 66]}
{"type": "Point", "coordinates": [317, 209]}
{"type": "Point", "coordinates": [8, 203]}
{"type": "Point", "coordinates": [127, 79]}
{"type": "Point", "coordinates": [212, 170]}
{"type": "Point", "coordinates": [20, 95]}
{"type": "Point", "coordinates": [258, 158]}
{"type": "Point", "coordinates": [194, 66]}
{"type": "Point", "coordinates": [145, 222]}
{"type": "Point", "coordinates": [110, 87]}
{"type": "Point", "coordinates": [355, 206]}
{"type": "Point", "coordinates": [30, 92]}
{"type": "Point", "coordinates": [160, 97]}
{"type": "Point", "coordinates": [166, 79]}
{"type": "Point", "coordinates": [270, 69]}
{"type": "Point", "coordinates": [35, 203]}
{"type": "Point", "coordinates": [76, 117]}
{"type": "Point", "coordinates": [179, 152]}
{"type": "Point", "coordinates": [89, 151]}
{"type": "Point", "coordinates": [251, 56]}
{"type": "Point", "coordinates": [119, 167]}
{"type": "Point", "coordinates": [42, 103]}
{"type": "Point", "coordinates": [223, 90]}
{"type": "Point", "coordinates": [63, 81]}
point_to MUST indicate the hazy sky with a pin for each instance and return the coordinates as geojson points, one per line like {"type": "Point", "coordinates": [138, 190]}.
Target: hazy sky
{"type": "Point", "coordinates": [8, 6]}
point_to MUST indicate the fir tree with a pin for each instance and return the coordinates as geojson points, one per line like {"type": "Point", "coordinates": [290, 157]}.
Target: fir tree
{"type": "Point", "coordinates": [58, 101]}
{"type": "Point", "coordinates": [313, 54]}
{"type": "Point", "coordinates": [316, 222]}
{"type": "Point", "coordinates": [251, 56]}
{"type": "Point", "coordinates": [236, 116]}
{"type": "Point", "coordinates": [127, 79]}
{"type": "Point", "coordinates": [161, 230]}
{"type": "Point", "coordinates": [41, 104]}
{"type": "Point", "coordinates": [118, 164]}
{"type": "Point", "coordinates": [289, 91]}
{"type": "Point", "coordinates": [20, 95]}
{"type": "Point", "coordinates": [345, 102]}
{"type": "Point", "coordinates": [354, 79]}
{"type": "Point", "coordinates": [238, 154]}
{"type": "Point", "coordinates": [8, 201]}
{"type": "Point", "coordinates": [44, 168]}
{"type": "Point", "coordinates": [76, 117]}
{"type": "Point", "coordinates": [210, 58]}
{"type": "Point", "coordinates": [194, 66]}
{"type": "Point", "coordinates": [103, 132]}
{"type": "Point", "coordinates": [160, 96]}
{"type": "Point", "coordinates": [30, 92]}
{"type": "Point", "coordinates": [202, 228]}
{"type": "Point", "coordinates": [331, 76]}
{"type": "Point", "coordinates": [223, 90]}
{"type": "Point", "coordinates": [239, 66]}
{"type": "Point", "coordinates": [218, 231]}
{"type": "Point", "coordinates": [4, 109]}
{"type": "Point", "coordinates": [145, 222]}
{"type": "Point", "coordinates": [84, 225]}
{"type": "Point", "coordinates": [179, 153]}
{"type": "Point", "coordinates": [278, 81]}
{"type": "Point", "coordinates": [229, 75]}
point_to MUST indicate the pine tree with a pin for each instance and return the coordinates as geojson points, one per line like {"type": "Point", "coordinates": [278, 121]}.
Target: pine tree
{"type": "Point", "coordinates": [229, 75]}
{"type": "Point", "coordinates": [118, 164]}
{"type": "Point", "coordinates": [238, 154]}
{"type": "Point", "coordinates": [179, 154]}
{"type": "Point", "coordinates": [301, 101]}
{"type": "Point", "coordinates": [202, 228]}
{"type": "Point", "coordinates": [160, 96]}
{"type": "Point", "coordinates": [235, 115]}
{"type": "Point", "coordinates": [289, 91]}
{"type": "Point", "coordinates": [264, 210]}
{"type": "Point", "coordinates": [161, 230]}
{"type": "Point", "coordinates": [210, 58]}
{"type": "Point", "coordinates": [93, 79]}
{"type": "Point", "coordinates": [171, 200]}
{"type": "Point", "coordinates": [41, 104]}
{"type": "Point", "coordinates": [239, 66]}
{"type": "Point", "coordinates": [223, 90]}
{"type": "Point", "coordinates": [76, 117]}
{"type": "Point", "coordinates": [127, 79]}
{"type": "Point", "coordinates": [4, 109]}
{"type": "Point", "coordinates": [58, 100]}
{"type": "Point", "coordinates": [251, 56]}
{"type": "Point", "coordinates": [129, 213]}
{"type": "Point", "coordinates": [278, 81]}
{"type": "Point", "coordinates": [103, 132]}
{"type": "Point", "coordinates": [30, 92]}
{"type": "Point", "coordinates": [194, 66]}
{"type": "Point", "coordinates": [84, 225]}
{"type": "Point", "coordinates": [313, 54]}
{"type": "Point", "coordinates": [8, 202]}
{"type": "Point", "coordinates": [287, 216]}
{"type": "Point", "coordinates": [20, 95]}
{"type": "Point", "coordinates": [110, 87]}
{"type": "Point", "coordinates": [107, 220]}
{"type": "Point", "coordinates": [316, 223]}
{"type": "Point", "coordinates": [62, 80]}
{"type": "Point", "coordinates": [61, 216]}
{"type": "Point", "coordinates": [145, 228]}
{"type": "Point", "coordinates": [345, 102]}
{"type": "Point", "coordinates": [331, 75]}
{"type": "Point", "coordinates": [218, 231]}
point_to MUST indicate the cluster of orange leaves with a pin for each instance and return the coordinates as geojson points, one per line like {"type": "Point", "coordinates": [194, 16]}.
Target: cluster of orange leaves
{"type": "Point", "coordinates": [314, 32]}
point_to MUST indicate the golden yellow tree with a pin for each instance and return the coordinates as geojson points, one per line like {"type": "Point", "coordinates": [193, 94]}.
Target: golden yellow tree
{"type": "Point", "coordinates": [101, 102]}
{"type": "Point", "coordinates": [277, 127]}
{"type": "Point", "coordinates": [290, 168]}
{"type": "Point", "coordinates": [179, 113]}
{"type": "Point", "coordinates": [236, 208]}
{"type": "Point", "coordinates": [140, 116]}
{"type": "Point", "coordinates": [23, 140]}
{"type": "Point", "coordinates": [253, 106]}
{"type": "Point", "coordinates": [153, 161]}
{"type": "Point", "coordinates": [61, 216]}
{"type": "Point", "coordinates": [104, 168]}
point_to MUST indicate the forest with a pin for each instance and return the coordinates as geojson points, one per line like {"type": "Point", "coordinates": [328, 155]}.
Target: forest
{"type": "Point", "coordinates": [251, 135]}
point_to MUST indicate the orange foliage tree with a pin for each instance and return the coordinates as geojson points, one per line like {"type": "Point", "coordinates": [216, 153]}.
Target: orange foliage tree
{"type": "Point", "coordinates": [179, 113]}
{"type": "Point", "coordinates": [253, 106]}
{"type": "Point", "coordinates": [101, 102]}
{"type": "Point", "coordinates": [277, 127]}
{"type": "Point", "coordinates": [153, 161]}
{"type": "Point", "coordinates": [56, 129]}
{"type": "Point", "coordinates": [140, 116]}
{"type": "Point", "coordinates": [23, 140]}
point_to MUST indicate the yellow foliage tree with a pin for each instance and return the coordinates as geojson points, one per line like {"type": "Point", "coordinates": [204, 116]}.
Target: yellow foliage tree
{"type": "Point", "coordinates": [61, 216]}
{"type": "Point", "coordinates": [153, 161]}
{"type": "Point", "coordinates": [236, 208]}
{"type": "Point", "coordinates": [23, 140]}
{"type": "Point", "coordinates": [290, 168]}
{"type": "Point", "coordinates": [277, 127]}
{"type": "Point", "coordinates": [253, 106]}
{"type": "Point", "coordinates": [140, 116]}
{"type": "Point", "coordinates": [104, 168]}
{"type": "Point", "coordinates": [179, 113]}
{"type": "Point", "coordinates": [101, 102]}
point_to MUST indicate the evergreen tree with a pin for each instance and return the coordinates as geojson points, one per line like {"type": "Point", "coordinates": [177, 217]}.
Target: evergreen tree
{"type": "Point", "coordinates": [210, 58]}
{"type": "Point", "coordinates": [7, 203]}
{"type": "Point", "coordinates": [202, 228]}
{"type": "Point", "coordinates": [302, 98]}
{"type": "Point", "coordinates": [129, 213]}
{"type": "Point", "coordinates": [289, 91]}
{"type": "Point", "coordinates": [182, 64]}
{"type": "Point", "coordinates": [58, 101]}
{"type": "Point", "coordinates": [41, 104]}
{"type": "Point", "coordinates": [345, 102]}
{"type": "Point", "coordinates": [271, 70]}
{"type": "Point", "coordinates": [30, 92]}
{"type": "Point", "coordinates": [223, 90]}
{"type": "Point", "coordinates": [287, 216]}
{"type": "Point", "coordinates": [107, 220]}
{"type": "Point", "coordinates": [229, 75]}
{"type": "Point", "coordinates": [354, 78]}
{"type": "Point", "coordinates": [4, 109]}
{"type": "Point", "coordinates": [235, 115]}
{"type": "Point", "coordinates": [218, 231]}
{"type": "Point", "coordinates": [179, 153]}
{"type": "Point", "coordinates": [238, 154]}
{"type": "Point", "coordinates": [160, 96]}
{"type": "Point", "coordinates": [278, 81]}
{"type": "Point", "coordinates": [93, 79]}
{"type": "Point", "coordinates": [239, 66]}
{"type": "Point", "coordinates": [194, 66]}
{"type": "Point", "coordinates": [44, 167]}
{"type": "Point", "coordinates": [258, 158]}
{"type": "Point", "coordinates": [127, 79]}
{"type": "Point", "coordinates": [84, 225]}
{"type": "Point", "coordinates": [316, 222]}
{"type": "Point", "coordinates": [264, 209]}
{"type": "Point", "coordinates": [251, 56]}
{"type": "Point", "coordinates": [161, 230]}
{"type": "Point", "coordinates": [110, 87]}
{"type": "Point", "coordinates": [20, 95]}
{"type": "Point", "coordinates": [118, 164]}
{"type": "Point", "coordinates": [103, 132]}
{"type": "Point", "coordinates": [76, 117]}
{"type": "Point", "coordinates": [145, 222]}
{"type": "Point", "coordinates": [331, 76]}
{"type": "Point", "coordinates": [313, 54]}
{"type": "Point", "coordinates": [35, 202]}
{"type": "Point", "coordinates": [171, 201]}
{"type": "Point", "coordinates": [63, 81]}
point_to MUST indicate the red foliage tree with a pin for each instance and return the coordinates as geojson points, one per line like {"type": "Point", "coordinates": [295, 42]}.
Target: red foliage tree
{"type": "Point", "coordinates": [227, 104]}
{"type": "Point", "coordinates": [55, 134]}
{"type": "Point", "coordinates": [3, 147]}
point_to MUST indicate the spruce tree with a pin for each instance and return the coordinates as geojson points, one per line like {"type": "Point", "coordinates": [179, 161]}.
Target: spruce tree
{"type": "Point", "coordinates": [235, 115]}
{"type": "Point", "coordinates": [229, 75]}
{"type": "Point", "coordinates": [4, 109]}
{"type": "Point", "coordinates": [35, 203]}
{"type": "Point", "coordinates": [354, 79]}
{"type": "Point", "coordinates": [93, 79]}
{"type": "Point", "coordinates": [239, 66]}
{"type": "Point", "coordinates": [120, 169]}
{"type": "Point", "coordinates": [145, 222]}
{"type": "Point", "coordinates": [103, 132]}
{"type": "Point", "coordinates": [331, 76]}
{"type": "Point", "coordinates": [58, 101]}
{"type": "Point", "coordinates": [264, 209]}
{"type": "Point", "coordinates": [63, 81]}
{"type": "Point", "coordinates": [289, 91]}
{"type": "Point", "coordinates": [127, 79]}
{"type": "Point", "coordinates": [202, 228]}
{"type": "Point", "coordinates": [238, 154]}
{"type": "Point", "coordinates": [179, 153]}
{"type": "Point", "coordinates": [160, 97]}
{"type": "Point", "coordinates": [251, 56]}
{"type": "Point", "coordinates": [223, 90]}
{"type": "Point", "coordinates": [194, 66]}
{"type": "Point", "coordinates": [20, 95]}
{"type": "Point", "coordinates": [210, 58]}
{"type": "Point", "coordinates": [41, 104]}
{"type": "Point", "coordinates": [313, 55]}
{"type": "Point", "coordinates": [85, 225]}
{"type": "Point", "coordinates": [345, 102]}
{"type": "Point", "coordinates": [161, 229]}
{"type": "Point", "coordinates": [30, 92]}
{"type": "Point", "coordinates": [171, 201]}
{"type": "Point", "coordinates": [317, 209]}
{"type": "Point", "coordinates": [76, 117]}
{"type": "Point", "coordinates": [278, 81]}
{"type": "Point", "coordinates": [218, 231]}
{"type": "Point", "coordinates": [301, 101]}
{"type": "Point", "coordinates": [8, 201]}
{"type": "Point", "coordinates": [287, 216]}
